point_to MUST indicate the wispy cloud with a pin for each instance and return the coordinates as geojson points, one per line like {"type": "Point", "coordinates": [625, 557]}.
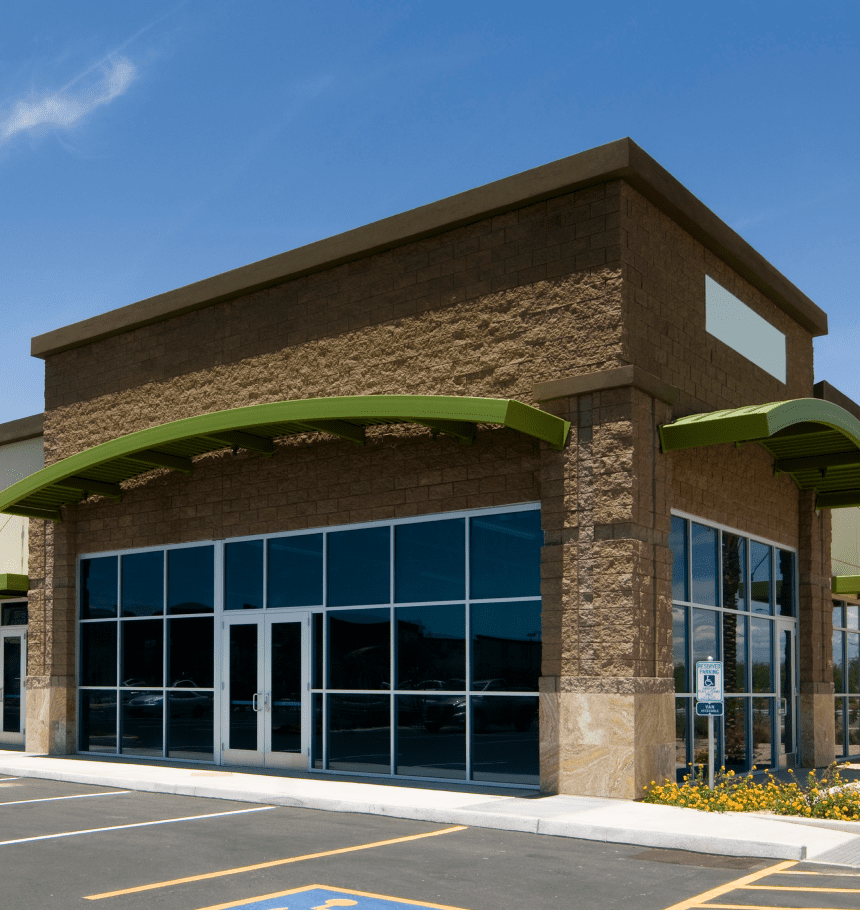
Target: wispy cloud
{"type": "Point", "coordinates": [65, 108]}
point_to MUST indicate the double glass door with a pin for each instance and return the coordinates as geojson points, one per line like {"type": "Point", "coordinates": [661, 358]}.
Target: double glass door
{"type": "Point", "coordinates": [13, 663]}
{"type": "Point", "coordinates": [266, 682]}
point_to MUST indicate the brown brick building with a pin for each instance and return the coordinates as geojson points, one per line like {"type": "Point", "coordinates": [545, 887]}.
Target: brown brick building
{"type": "Point", "coordinates": [253, 586]}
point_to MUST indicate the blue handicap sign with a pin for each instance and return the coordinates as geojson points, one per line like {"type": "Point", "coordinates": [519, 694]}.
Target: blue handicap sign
{"type": "Point", "coordinates": [319, 897]}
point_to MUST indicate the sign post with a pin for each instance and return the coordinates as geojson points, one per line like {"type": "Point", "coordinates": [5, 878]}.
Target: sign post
{"type": "Point", "coordinates": [709, 702]}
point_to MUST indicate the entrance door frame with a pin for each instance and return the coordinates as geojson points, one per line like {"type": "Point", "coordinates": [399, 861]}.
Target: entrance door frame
{"type": "Point", "coordinates": [263, 756]}
{"type": "Point", "coordinates": [786, 701]}
{"type": "Point", "coordinates": [6, 632]}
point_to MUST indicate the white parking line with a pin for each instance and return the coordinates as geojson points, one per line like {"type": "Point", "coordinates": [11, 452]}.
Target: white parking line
{"type": "Point", "coordinates": [164, 821]}
{"type": "Point", "coordinates": [9, 778]}
{"type": "Point", "coordinates": [50, 799]}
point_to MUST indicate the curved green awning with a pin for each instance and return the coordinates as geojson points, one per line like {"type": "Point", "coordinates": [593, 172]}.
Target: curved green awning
{"type": "Point", "coordinates": [816, 442]}
{"type": "Point", "coordinates": [101, 470]}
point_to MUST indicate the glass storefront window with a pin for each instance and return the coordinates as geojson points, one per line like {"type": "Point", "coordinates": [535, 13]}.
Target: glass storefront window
{"type": "Point", "coordinates": [761, 655]}
{"type": "Point", "coordinates": [143, 584]}
{"type": "Point", "coordinates": [142, 653]}
{"type": "Point", "coordinates": [734, 572]}
{"type": "Point", "coordinates": [784, 586]}
{"type": "Point", "coordinates": [190, 580]}
{"type": "Point", "coordinates": [734, 654]}
{"type": "Point", "coordinates": [735, 724]}
{"type": "Point", "coordinates": [852, 643]}
{"type": "Point", "coordinates": [678, 545]}
{"type": "Point", "coordinates": [506, 646]}
{"type": "Point", "coordinates": [191, 653]}
{"type": "Point", "coordinates": [838, 662]}
{"type": "Point", "coordinates": [98, 654]}
{"type": "Point", "coordinates": [679, 648]}
{"type": "Point", "coordinates": [359, 567]}
{"type": "Point", "coordinates": [98, 587]}
{"type": "Point", "coordinates": [430, 561]}
{"type": "Point", "coordinates": [704, 564]}
{"type": "Point", "coordinates": [431, 647]}
{"type": "Point", "coordinates": [705, 635]}
{"type": "Point", "coordinates": [359, 649]}
{"type": "Point", "coordinates": [505, 555]}
{"type": "Point", "coordinates": [243, 575]}
{"type": "Point", "coordinates": [760, 580]}
{"type": "Point", "coordinates": [295, 571]}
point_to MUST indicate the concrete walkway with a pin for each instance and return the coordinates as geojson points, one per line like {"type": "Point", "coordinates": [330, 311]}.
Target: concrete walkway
{"type": "Point", "coordinates": [587, 818]}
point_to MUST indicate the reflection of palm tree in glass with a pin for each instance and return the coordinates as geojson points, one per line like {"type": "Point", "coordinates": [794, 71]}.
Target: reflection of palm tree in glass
{"type": "Point", "coordinates": [735, 723]}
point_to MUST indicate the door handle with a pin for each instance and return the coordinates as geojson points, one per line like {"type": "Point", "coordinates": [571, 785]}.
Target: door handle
{"type": "Point", "coordinates": [783, 707]}
{"type": "Point", "coordinates": [254, 705]}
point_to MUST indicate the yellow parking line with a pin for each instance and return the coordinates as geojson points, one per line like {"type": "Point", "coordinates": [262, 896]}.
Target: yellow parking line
{"type": "Point", "coordinates": [700, 899]}
{"type": "Point", "coordinates": [385, 897]}
{"type": "Point", "coordinates": [756, 907]}
{"type": "Point", "coordinates": [802, 888]}
{"type": "Point", "coordinates": [271, 863]}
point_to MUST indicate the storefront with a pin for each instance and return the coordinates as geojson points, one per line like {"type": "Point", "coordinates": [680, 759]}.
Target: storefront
{"type": "Point", "coordinates": [460, 495]}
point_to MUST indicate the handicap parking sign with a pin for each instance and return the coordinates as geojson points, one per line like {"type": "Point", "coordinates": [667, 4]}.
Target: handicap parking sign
{"type": "Point", "coordinates": [709, 680]}
{"type": "Point", "coordinates": [321, 897]}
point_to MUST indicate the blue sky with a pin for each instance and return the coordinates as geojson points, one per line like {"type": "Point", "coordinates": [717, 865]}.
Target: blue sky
{"type": "Point", "coordinates": [145, 146]}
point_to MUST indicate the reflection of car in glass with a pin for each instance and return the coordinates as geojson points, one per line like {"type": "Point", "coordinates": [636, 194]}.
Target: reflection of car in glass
{"type": "Point", "coordinates": [185, 701]}
{"type": "Point", "coordinates": [486, 710]}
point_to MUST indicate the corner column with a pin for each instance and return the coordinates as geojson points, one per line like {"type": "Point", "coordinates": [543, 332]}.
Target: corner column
{"type": "Point", "coordinates": [50, 683]}
{"type": "Point", "coordinates": [607, 692]}
{"type": "Point", "coordinates": [817, 734]}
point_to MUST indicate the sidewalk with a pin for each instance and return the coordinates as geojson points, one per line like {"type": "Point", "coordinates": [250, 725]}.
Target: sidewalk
{"type": "Point", "coordinates": [587, 818]}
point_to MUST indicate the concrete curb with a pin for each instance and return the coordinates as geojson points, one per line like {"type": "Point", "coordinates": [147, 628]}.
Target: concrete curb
{"type": "Point", "coordinates": [669, 830]}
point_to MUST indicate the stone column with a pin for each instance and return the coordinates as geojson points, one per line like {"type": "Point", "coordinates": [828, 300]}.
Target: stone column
{"type": "Point", "coordinates": [50, 697]}
{"type": "Point", "coordinates": [607, 693]}
{"type": "Point", "coordinates": [815, 630]}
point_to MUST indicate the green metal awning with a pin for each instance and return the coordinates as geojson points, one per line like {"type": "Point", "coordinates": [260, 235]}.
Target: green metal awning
{"type": "Point", "coordinates": [13, 585]}
{"type": "Point", "coordinates": [816, 442]}
{"type": "Point", "coordinates": [847, 585]}
{"type": "Point", "coordinates": [101, 470]}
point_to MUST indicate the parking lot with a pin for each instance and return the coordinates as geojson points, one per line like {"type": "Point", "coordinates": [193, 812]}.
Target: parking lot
{"type": "Point", "coordinates": [73, 845]}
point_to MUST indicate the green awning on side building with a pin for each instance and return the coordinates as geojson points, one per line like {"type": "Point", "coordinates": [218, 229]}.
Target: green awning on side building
{"type": "Point", "coordinates": [816, 442]}
{"type": "Point", "coordinates": [13, 585]}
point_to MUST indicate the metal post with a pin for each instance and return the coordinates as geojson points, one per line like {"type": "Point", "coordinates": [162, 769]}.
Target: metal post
{"type": "Point", "coordinates": [711, 752]}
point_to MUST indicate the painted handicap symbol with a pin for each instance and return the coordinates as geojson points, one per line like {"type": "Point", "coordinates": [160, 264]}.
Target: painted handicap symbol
{"type": "Point", "coordinates": [322, 897]}
{"type": "Point", "coordinates": [335, 902]}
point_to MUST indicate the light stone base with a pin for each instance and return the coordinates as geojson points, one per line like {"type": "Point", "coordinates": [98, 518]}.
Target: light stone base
{"type": "Point", "coordinates": [817, 730]}
{"type": "Point", "coordinates": [51, 727]}
{"type": "Point", "coordinates": [606, 744]}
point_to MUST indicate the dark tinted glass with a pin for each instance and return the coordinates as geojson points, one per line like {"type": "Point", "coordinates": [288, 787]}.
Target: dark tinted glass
{"type": "Point", "coordinates": [734, 652]}
{"type": "Point", "coordinates": [295, 571]}
{"type": "Point", "coordinates": [190, 655]}
{"type": "Point", "coordinates": [431, 647]}
{"type": "Point", "coordinates": [190, 726]}
{"type": "Point", "coordinates": [431, 736]}
{"type": "Point", "coordinates": [430, 561]}
{"type": "Point", "coordinates": [142, 725]}
{"type": "Point", "coordinates": [505, 739]}
{"type": "Point", "coordinates": [852, 642]}
{"type": "Point", "coordinates": [98, 587]}
{"type": "Point", "coordinates": [359, 733]}
{"type": "Point", "coordinates": [143, 584]}
{"type": "Point", "coordinates": [678, 545]}
{"type": "Point", "coordinates": [704, 564]}
{"type": "Point", "coordinates": [737, 758]}
{"type": "Point", "coordinates": [286, 705]}
{"type": "Point", "coordinates": [839, 727]}
{"type": "Point", "coordinates": [734, 572]}
{"type": "Point", "coordinates": [190, 581]}
{"type": "Point", "coordinates": [705, 641]}
{"type": "Point", "coordinates": [359, 569]}
{"type": "Point", "coordinates": [838, 663]}
{"type": "Point", "coordinates": [317, 650]}
{"type": "Point", "coordinates": [13, 614]}
{"type": "Point", "coordinates": [12, 677]}
{"type": "Point", "coordinates": [853, 726]}
{"type": "Point", "coordinates": [98, 654]}
{"type": "Point", "coordinates": [243, 575]}
{"type": "Point", "coordinates": [243, 686]}
{"type": "Point", "coordinates": [784, 586]}
{"type": "Point", "coordinates": [142, 653]}
{"type": "Point", "coordinates": [506, 646]}
{"type": "Point", "coordinates": [682, 710]}
{"type": "Point", "coordinates": [359, 648]}
{"type": "Point", "coordinates": [317, 730]}
{"type": "Point", "coordinates": [760, 577]}
{"type": "Point", "coordinates": [98, 721]}
{"type": "Point", "coordinates": [679, 648]}
{"type": "Point", "coordinates": [505, 555]}
{"type": "Point", "coordinates": [761, 655]}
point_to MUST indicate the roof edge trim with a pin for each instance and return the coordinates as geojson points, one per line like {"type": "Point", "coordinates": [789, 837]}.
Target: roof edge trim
{"type": "Point", "coordinates": [622, 159]}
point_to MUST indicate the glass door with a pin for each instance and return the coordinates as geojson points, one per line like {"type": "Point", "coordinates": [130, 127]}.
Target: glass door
{"type": "Point", "coordinates": [265, 681]}
{"type": "Point", "coordinates": [13, 662]}
{"type": "Point", "coordinates": [786, 648]}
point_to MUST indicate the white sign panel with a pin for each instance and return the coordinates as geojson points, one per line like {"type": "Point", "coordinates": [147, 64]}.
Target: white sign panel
{"type": "Point", "coordinates": [709, 680]}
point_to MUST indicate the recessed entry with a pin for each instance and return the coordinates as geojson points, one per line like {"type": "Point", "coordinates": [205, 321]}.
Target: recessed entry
{"type": "Point", "coordinates": [731, 321]}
